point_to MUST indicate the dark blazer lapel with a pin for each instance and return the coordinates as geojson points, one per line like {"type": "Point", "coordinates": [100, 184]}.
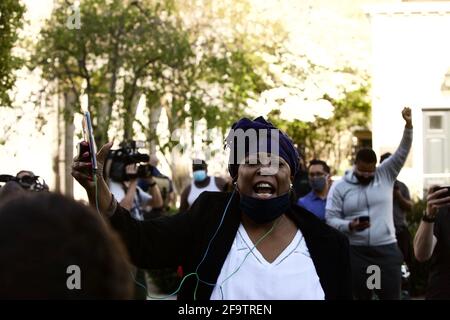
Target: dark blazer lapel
{"type": "Point", "coordinates": [322, 244]}
{"type": "Point", "coordinates": [320, 239]}
{"type": "Point", "coordinates": [212, 265]}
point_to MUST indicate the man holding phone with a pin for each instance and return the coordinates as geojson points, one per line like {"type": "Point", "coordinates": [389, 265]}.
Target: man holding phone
{"type": "Point", "coordinates": [432, 241]}
{"type": "Point", "coordinates": [360, 205]}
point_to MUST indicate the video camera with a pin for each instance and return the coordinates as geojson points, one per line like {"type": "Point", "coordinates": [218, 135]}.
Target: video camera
{"type": "Point", "coordinates": [29, 183]}
{"type": "Point", "coordinates": [128, 154]}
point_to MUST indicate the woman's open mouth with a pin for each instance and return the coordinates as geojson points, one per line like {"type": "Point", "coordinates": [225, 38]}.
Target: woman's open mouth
{"type": "Point", "coordinates": [264, 190]}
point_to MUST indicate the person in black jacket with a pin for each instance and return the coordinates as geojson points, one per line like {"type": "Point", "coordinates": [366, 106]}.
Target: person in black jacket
{"type": "Point", "coordinates": [252, 243]}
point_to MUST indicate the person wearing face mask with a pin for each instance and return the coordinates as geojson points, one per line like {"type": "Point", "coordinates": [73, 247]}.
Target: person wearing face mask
{"type": "Point", "coordinates": [320, 182]}
{"type": "Point", "coordinates": [360, 205]}
{"type": "Point", "coordinates": [252, 243]}
{"type": "Point", "coordinates": [201, 182]}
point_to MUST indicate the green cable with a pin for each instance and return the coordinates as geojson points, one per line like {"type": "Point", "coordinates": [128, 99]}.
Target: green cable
{"type": "Point", "coordinates": [165, 297]}
{"type": "Point", "coordinates": [197, 276]}
{"type": "Point", "coordinates": [196, 287]}
{"type": "Point", "coordinates": [96, 194]}
{"type": "Point", "coordinates": [190, 274]}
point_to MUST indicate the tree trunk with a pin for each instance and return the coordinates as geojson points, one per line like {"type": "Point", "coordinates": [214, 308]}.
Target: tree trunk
{"type": "Point", "coordinates": [130, 115]}
{"type": "Point", "coordinates": [102, 122]}
{"type": "Point", "coordinates": [59, 132]}
{"type": "Point", "coordinates": [69, 129]}
{"type": "Point", "coordinates": [153, 120]}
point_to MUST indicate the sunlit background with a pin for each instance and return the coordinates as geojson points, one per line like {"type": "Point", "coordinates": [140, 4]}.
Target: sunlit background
{"type": "Point", "coordinates": [396, 49]}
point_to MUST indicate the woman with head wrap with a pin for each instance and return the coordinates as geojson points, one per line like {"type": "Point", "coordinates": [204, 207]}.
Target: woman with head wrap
{"type": "Point", "coordinates": [252, 243]}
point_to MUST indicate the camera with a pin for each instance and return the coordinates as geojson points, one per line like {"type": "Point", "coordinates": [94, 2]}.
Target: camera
{"type": "Point", "coordinates": [128, 154]}
{"type": "Point", "coordinates": [27, 182]}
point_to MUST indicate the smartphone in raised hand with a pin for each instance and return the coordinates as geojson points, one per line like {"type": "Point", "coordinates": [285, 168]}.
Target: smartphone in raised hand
{"type": "Point", "coordinates": [88, 133]}
{"type": "Point", "coordinates": [443, 195]}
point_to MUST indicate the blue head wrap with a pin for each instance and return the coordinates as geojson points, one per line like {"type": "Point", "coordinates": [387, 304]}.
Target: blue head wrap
{"type": "Point", "coordinates": [247, 136]}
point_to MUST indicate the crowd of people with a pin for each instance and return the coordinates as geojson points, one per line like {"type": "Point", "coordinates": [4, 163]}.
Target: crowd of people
{"type": "Point", "coordinates": [279, 228]}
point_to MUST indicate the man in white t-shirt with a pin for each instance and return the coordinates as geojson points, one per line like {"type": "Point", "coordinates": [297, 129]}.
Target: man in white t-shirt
{"type": "Point", "coordinates": [201, 182]}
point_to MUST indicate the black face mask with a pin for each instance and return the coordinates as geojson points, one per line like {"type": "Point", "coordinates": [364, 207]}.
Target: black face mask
{"type": "Point", "coordinates": [364, 180]}
{"type": "Point", "coordinates": [264, 210]}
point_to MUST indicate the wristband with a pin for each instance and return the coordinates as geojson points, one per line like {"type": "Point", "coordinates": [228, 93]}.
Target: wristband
{"type": "Point", "coordinates": [428, 219]}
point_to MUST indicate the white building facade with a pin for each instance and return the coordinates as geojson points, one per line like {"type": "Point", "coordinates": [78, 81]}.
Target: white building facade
{"type": "Point", "coordinates": [411, 67]}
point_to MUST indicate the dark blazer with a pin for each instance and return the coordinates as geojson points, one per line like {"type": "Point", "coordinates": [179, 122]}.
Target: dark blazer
{"type": "Point", "coordinates": [183, 239]}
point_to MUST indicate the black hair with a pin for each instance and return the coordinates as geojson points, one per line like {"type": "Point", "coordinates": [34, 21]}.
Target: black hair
{"type": "Point", "coordinates": [384, 156]}
{"type": "Point", "coordinates": [44, 235]}
{"type": "Point", "coordinates": [324, 165]}
{"type": "Point", "coordinates": [366, 155]}
{"type": "Point", "coordinates": [10, 190]}
{"type": "Point", "coordinates": [28, 172]}
{"type": "Point", "coordinates": [198, 164]}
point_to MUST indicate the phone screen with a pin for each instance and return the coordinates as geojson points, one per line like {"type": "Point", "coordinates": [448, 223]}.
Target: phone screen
{"type": "Point", "coordinates": [89, 138]}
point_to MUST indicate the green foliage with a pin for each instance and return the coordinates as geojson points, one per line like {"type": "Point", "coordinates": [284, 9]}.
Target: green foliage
{"type": "Point", "coordinates": [224, 70]}
{"type": "Point", "coordinates": [112, 57]}
{"type": "Point", "coordinates": [195, 59]}
{"type": "Point", "coordinates": [11, 14]}
{"type": "Point", "coordinates": [125, 49]}
{"type": "Point", "coordinates": [322, 138]}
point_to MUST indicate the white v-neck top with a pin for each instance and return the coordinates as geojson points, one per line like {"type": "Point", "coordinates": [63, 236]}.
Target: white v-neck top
{"type": "Point", "coordinates": [292, 276]}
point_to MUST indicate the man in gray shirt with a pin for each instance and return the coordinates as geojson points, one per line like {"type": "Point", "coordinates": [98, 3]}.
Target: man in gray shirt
{"type": "Point", "coordinates": [360, 205]}
{"type": "Point", "coordinates": [401, 206]}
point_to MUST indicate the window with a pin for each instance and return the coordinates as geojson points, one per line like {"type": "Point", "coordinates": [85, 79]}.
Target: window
{"type": "Point", "coordinates": [435, 122]}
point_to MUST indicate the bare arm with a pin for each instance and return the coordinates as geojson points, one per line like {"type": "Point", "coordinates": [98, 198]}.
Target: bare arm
{"type": "Point", "coordinates": [157, 201]}
{"type": "Point", "coordinates": [404, 202]}
{"type": "Point", "coordinates": [425, 241]}
{"type": "Point", "coordinates": [392, 166]}
{"type": "Point", "coordinates": [127, 201]}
